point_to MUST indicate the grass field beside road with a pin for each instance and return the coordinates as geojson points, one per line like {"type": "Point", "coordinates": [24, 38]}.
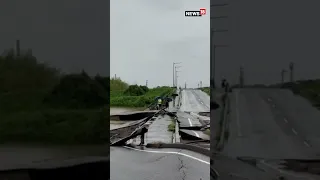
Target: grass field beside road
{"type": "Point", "coordinates": [206, 90]}
{"type": "Point", "coordinates": [309, 89]}
{"type": "Point", "coordinates": [125, 95]}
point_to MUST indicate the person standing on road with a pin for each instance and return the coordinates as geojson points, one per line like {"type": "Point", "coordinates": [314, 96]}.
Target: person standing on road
{"type": "Point", "coordinates": [167, 103]}
{"type": "Point", "coordinates": [174, 101]}
{"type": "Point", "coordinates": [143, 132]}
{"type": "Point", "coordinates": [159, 103]}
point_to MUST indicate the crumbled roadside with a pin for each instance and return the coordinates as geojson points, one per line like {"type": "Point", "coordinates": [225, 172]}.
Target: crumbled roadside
{"type": "Point", "coordinates": [215, 123]}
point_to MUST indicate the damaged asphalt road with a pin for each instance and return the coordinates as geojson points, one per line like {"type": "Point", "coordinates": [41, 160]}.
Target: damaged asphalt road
{"type": "Point", "coordinates": [158, 164]}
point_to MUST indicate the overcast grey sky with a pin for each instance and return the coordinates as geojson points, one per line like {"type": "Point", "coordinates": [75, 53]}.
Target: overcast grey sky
{"type": "Point", "coordinates": [265, 36]}
{"type": "Point", "coordinates": [147, 36]}
{"type": "Point", "coordinates": [69, 34]}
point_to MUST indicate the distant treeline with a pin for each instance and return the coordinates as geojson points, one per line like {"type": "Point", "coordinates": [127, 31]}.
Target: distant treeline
{"type": "Point", "coordinates": [27, 83]}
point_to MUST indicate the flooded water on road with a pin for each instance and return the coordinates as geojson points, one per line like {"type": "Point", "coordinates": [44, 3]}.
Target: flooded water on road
{"type": "Point", "coordinates": [119, 110]}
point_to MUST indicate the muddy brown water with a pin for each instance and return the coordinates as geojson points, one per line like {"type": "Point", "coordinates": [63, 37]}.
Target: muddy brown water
{"type": "Point", "coordinates": [20, 156]}
{"type": "Point", "coordinates": [119, 110]}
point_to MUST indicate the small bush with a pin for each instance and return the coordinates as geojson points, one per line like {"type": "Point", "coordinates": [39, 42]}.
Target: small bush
{"type": "Point", "coordinates": [206, 90]}
{"type": "Point", "coordinates": [116, 84]}
{"type": "Point", "coordinates": [134, 90]}
{"type": "Point", "coordinates": [77, 91]}
{"type": "Point", "coordinates": [172, 126]}
{"type": "Point", "coordinates": [118, 98]}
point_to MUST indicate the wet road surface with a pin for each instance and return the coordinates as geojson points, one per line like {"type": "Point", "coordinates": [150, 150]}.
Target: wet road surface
{"type": "Point", "coordinates": [187, 119]}
{"type": "Point", "coordinates": [194, 100]}
{"type": "Point", "coordinates": [118, 110]}
{"type": "Point", "coordinates": [271, 123]}
{"type": "Point", "coordinates": [195, 133]}
{"type": "Point", "coordinates": [158, 164]}
{"type": "Point", "coordinates": [157, 131]}
{"type": "Point", "coordinates": [132, 164]}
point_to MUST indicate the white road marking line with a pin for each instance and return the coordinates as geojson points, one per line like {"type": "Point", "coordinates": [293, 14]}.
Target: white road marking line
{"type": "Point", "coordinates": [294, 131]}
{"type": "Point", "coordinates": [184, 98]}
{"type": "Point", "coordinates": [305, 143]}
{"type": "Point", "coordinates": [169, 152]}
{"type": "Point", "coordinates": [285, 120]}
{"type": "Point", "coordinates": [190, 121]}
{"type": "Point", "coordinates": [196, 133]}
{"type": "Point", "coordinates": [269, 99]}
{"type": "Point", "coordinates": [201, 102]}
{"type": "Point", "coordinates": [238, 116]}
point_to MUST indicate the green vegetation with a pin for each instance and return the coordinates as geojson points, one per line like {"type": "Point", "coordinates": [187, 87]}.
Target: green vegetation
{"type": "Point", "coordinates": [124, 95]}
{"type": "Point", "coordinates": [38, 104]}
{"type": "Point", "coordinates": [309, 89]}
{"type": "Point", "coordinates": [206, 90]}
{"type": "Point", "coordinates": [172, 126]}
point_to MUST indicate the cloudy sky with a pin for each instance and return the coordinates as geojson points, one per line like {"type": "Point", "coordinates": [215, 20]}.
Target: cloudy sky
{"type": "Point", "coordinates": [265, 36]}
{"type": "Point", "coordinates": [147, 36]}
{"type": "Point", "coordinates": [68, 34]}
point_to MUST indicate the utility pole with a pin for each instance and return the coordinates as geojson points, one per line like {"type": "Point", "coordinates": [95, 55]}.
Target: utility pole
{"type": "Point", "coordinates": [18, 48]}
{"type": "Point", "coordinates": [146, 83]}
{"type": "Point", "coordinates": [200, 84]}
{"type": "Point", "coordinates": [115, 76]}
{"type": "Point", "coordinates": [283, 71]}
{"type": "Point", "coordinates": [173, 73]}
{"type": "Point", "coordinates": [185, 85]}
{"type": "Point", "coordinates": [291, 67]}
{"type": "Point", "coordinates": [214, 60]}
{"type": "Point", "coordinates": [176, 74]}
{"type": "Point", "coordinates": [212, 51]}
{"type": "Point", "coordinates": [177, 78]}
{"type": "Point", "coordinates": [241, 77]}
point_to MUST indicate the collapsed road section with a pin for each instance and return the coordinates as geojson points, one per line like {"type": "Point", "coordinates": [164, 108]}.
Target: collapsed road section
{"type": "Point", "coordinates": [190, 127]}
{"type": "Point", "coordinates": [194, 118]}
{"type": "Point", "coordinates": [164, 128]}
